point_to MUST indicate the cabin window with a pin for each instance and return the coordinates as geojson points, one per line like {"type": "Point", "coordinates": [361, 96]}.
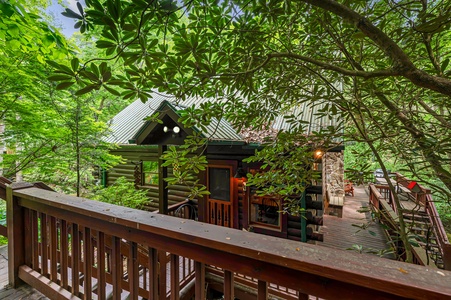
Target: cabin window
{"type": "Point", "coordinates": [219, 183]}
{"type": "Point", "coordinates": [265, 211]}
{"type": "Point", "coordinates": [150, 173]}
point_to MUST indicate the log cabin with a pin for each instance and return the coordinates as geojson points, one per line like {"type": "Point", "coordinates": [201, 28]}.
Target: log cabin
{"type": "Point", "coordinates": [230, 203]}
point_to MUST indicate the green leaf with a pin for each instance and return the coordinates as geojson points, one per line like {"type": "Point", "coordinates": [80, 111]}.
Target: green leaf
{"type": "Point", "coordinates": [445, 64]}
{"type": "Point", "coordinates": [80, 8]}
{"type": "Point", "coordinates": [64, 85]}
{"type": "Point", "coordinates": [71, 14]}
{"type": "Point", "coordinates": [74, 63]}
{"type": "Point", "coordinates": [86, 89]}
{"type": "Point", "coordinates": [106, 76]}
{"type": "Point", "coordinates": [59, 77]}
{"type": "Point", "coordinates": [111, 90]}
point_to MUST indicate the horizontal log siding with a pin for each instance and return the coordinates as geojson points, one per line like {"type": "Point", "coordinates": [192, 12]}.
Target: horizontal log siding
{"type": "Point", "coordinates": [176, 193]}
{"type": "Point", "coordinates": [314, 208]}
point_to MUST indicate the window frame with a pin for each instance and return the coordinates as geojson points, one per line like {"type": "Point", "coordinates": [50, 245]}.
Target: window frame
{"type": "Point", "coordinates": [143, 173]}
{"type": "Point", "coordinates": [255, 200]}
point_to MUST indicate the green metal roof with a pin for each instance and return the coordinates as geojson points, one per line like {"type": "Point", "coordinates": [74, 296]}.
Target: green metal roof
{"type": "Point", "coordinates": [129, 122]}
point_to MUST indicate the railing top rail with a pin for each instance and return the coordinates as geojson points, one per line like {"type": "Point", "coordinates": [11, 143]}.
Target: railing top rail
{"type": "Point", "coordinates": [255, 255]}
{"type": "Point", "coordinates": [405, 182]}
{"type": "Point", "coordinates": [437, 222]}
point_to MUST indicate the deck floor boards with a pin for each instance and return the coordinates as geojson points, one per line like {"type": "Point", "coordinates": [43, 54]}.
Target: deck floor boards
{"type": "Point", "coordinates": [24, 292]}
{"type": "Point", "coordinates": [343, 233]}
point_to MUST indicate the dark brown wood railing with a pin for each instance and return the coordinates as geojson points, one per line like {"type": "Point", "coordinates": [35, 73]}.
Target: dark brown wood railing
{"type": "Point", "coordinates": [440, 233]}
{"type": "Point", "coordinates": [381, 201]}
{"type": "Point", "coordinates": [424, 198]}
{"type": "Point", "coordinates": [49, 249]}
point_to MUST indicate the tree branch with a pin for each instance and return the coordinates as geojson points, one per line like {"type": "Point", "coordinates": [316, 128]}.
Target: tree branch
{"type": "Point", "coordinates": [321, 64]}
{"type": "Point", "coordinates": [402, 64]}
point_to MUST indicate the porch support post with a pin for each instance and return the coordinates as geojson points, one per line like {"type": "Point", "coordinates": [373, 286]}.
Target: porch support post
{"type": "Point", "coordinates": [16, 243]}
{"type": "Point", "coordinates": [162, 184]}
{"type": "Point", "coordinates": [303, 219]}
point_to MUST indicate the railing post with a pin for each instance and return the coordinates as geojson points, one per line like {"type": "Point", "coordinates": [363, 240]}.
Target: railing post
{"type": "Point", "coordinates": [262, 290]}
{"type": "Point", "coordinates": [16, 245]}
{"type": "Point", "coordinates": [200, 280]}
{"type": "Point", "coordinates": [229, 286]}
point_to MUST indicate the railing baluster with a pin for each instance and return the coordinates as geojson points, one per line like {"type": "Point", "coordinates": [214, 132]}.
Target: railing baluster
{"type": "Point", "coordinates": [116, 267]}
{"type": "Point", "coordinates": [35, 241]}
{"type": "Point", "coordinates": [200, 280]}
{"type": "Point", "coordinates": [53, 246]}
{"type": "Point", "coordinates": [64, 254]}
{"type": "Point", "coordinates": [175, 277]}
{"type": "Point", "coordinates": [44, 252]}
{"type": "Point", "coordinates": [87, 257]}
{"type": "Point", "coordinates": [75, 259]}
{"type": "Point", "coordinates": [162, 279]}
{"type": "Point", "coordinates": [133, 272]}
{"type": "Point", "coordinates": [153, 274]}
{"type": "Point", "coordinates": [101, 265]}
{"type": "Point", "coordinates": [28, 238]}
{"type": "Point", "coordinates": [262, 290]}
{"type": "Point", "coordinates": [228, 285]}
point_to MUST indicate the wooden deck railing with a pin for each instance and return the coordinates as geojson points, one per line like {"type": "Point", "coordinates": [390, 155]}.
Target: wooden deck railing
{"type": "Point", "coordinates": [381, 200]}
{"type": "Point", "coordinates": [440, 233]}
{"type": "Point", "coordinates": [49, 249]}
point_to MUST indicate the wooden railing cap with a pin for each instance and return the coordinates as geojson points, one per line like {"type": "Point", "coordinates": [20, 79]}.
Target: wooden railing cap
{"type": "Point", "coordinates": [364, 270]}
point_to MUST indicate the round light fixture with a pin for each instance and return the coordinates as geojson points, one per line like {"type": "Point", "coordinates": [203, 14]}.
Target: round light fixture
{"type": "Point", "coordinates": [176, 129]}
{"type": "Point", "coordinates": [165, 128]}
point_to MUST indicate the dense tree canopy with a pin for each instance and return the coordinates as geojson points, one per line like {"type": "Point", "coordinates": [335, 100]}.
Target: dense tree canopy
{"type": "Point", "coordinates": [50, 135]}
{"type": "Point", "coordinates": [381, 66]}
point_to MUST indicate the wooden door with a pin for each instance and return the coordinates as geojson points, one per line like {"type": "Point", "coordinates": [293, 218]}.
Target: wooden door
{"type": "Point", "coordinates": [220, 201]}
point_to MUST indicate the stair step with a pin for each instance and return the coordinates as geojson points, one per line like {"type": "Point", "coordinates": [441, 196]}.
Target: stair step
{"type": "Point", "coordinates": [422, 222]}
{"type": "Point", "coordinates": [429, 245]}
{"type": "Point", "coordinates": [415, 217]}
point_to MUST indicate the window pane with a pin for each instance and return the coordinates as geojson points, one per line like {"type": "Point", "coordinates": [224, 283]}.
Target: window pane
{"type": "Point", "coordinates": [219, 183]}
{"type": "Point", "coordinates": [150, 172]}
{"type": "Point", "coordinates": [265, 210]}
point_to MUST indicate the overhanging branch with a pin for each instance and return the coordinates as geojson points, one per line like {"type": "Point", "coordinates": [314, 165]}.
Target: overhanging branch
{"type": "Point", "coordinates": [321, 64]}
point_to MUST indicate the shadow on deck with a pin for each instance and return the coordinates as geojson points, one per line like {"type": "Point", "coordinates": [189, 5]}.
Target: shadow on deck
{"type": "Point", "coordinates": [354, 228]}
{"type": "Point", "coordinates": [25, 292]}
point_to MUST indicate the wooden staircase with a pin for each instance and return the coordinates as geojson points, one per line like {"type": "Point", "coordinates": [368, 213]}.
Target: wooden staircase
{"type": "Point", "coordinates": [420, 227]}
{"type": "Point", "coordinates": [429, 241]}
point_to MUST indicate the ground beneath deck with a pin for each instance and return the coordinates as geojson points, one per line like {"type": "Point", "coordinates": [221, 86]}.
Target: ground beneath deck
{"type": "Point", "coordinates": [25, 292]}
{"type": "Point", "coordinates": [343, 233]}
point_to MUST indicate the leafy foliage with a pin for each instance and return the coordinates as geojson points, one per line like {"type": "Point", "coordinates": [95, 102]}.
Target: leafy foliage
{"type": "Point", "coordinates": [122, 193]}
{"type": "Point", "coordinates": [382, 67]}
{"type": "Point", "coordinates": [52, 135]}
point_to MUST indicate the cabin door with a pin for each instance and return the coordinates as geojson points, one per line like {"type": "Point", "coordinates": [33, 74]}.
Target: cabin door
{"type": "Point", "coordinates": [220, 201]}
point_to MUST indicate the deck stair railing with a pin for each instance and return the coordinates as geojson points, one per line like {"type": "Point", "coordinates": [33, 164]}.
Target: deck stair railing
{"type": "Point", "coordinates": [51, 248]}
{"type": "Point", "coordinates": [423, 222]}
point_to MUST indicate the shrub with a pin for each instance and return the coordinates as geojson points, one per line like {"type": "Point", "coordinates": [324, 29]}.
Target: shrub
{"type": "Point", "coordinates": [123, 193]}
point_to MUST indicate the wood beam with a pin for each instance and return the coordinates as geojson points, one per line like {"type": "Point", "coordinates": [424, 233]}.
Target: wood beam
{"type": "Point", "coordinates": [162, 184]}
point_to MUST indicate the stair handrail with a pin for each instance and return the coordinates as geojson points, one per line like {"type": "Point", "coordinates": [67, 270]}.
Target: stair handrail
{"type": "Point", "coordinates": [439, 231]}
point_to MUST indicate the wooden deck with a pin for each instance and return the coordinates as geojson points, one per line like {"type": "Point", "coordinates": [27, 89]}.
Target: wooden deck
{"type": "Point", "coordinates": [343, 233]}
{"type": "Point", "coordinates": [25, 292]}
